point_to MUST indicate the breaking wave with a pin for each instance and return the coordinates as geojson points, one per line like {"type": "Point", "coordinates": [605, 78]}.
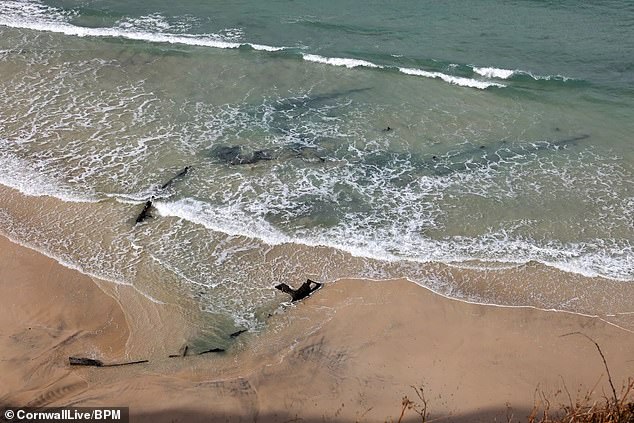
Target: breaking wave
{"type": "Point", "coordinates": [498, 73]}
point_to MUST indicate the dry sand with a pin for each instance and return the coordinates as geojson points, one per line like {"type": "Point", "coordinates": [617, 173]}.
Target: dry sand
{"type": "Point", "coordinates": [349, 353]}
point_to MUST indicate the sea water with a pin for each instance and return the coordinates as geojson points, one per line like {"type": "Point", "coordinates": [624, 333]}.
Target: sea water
{"type": "Point", "coordinates": [369, 139]}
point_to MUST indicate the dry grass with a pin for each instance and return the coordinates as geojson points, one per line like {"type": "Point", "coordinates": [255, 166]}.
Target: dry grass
{"type": "Point", "coordinates": [409, 405]}
{"type": "Point", "coordinates": [582, 410]}
{"type": "Point", "coordinates": [618, 409]}
{"type": "Point", "coordinates": [615, 408]}
{"type": "Point", "coordinates": [611, 409]}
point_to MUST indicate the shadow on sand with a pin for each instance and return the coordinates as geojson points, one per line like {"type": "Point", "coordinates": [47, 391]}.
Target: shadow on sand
{"type": "Point", "coordinates": [489, 415]}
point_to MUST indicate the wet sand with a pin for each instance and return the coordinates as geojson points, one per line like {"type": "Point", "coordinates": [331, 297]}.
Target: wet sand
{"type": "Point", "coordinates": [349, 353]}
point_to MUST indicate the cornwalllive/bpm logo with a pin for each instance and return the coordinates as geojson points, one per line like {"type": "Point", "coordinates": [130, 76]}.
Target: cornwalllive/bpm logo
{"type": "Point", "coordinates": [66, 414]}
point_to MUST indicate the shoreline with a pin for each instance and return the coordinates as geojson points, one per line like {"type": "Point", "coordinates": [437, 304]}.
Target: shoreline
{"type": "Point", "coordinates": [459, 264]}
{"type": "Point", "coordinates": [526, 285]}
{"type": "Point", "coordinates": [342, 279]}
{"type": "Point", "coordinates": [350, 352]}
{"type": "Point", "coordinates": [485, 304]}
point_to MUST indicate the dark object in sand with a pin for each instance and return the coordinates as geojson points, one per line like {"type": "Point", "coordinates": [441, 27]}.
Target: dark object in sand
{"type": "Point", "coordinates": [302, 292]}
{"type": "Point", "coordinates": [179, 175]}
{"type": "Point", "coordinates": [126, 364]}
{"type": "Point", "coordinates": [145, 213]}
{"type": "Point", "coordinates": [213, 350]}
{"type": "Point", "coordinates": [81, 361]}
{"type": "Point", "coordinates": [183, 354]}
{"type": "Point", "coordinates": [388, 129]}
{"type": "Point", "coordinates": [238, 333]}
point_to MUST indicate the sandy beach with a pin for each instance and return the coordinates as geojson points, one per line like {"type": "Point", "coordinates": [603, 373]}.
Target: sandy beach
{"type": "Point", "coordinates": [349, 353]}
{"type": "Point", "coordinates": [458, 178]}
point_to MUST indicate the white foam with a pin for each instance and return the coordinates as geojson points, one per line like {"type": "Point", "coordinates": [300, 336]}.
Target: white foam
{"type": "Point", "coordinates": [393, 229]}
{"type": "Point", "coordinates": [500, 73]}
{"type": "Point", "coordinates": [155, 22]}
{"type": "Point", "coordinates": [547, 77]}
{"type": "Point", "coordinates": [263, 47]}
{"type": "Point", "coordinates": [66, 263]}
{"type": "Point", "coordinates": [73, 266]}
{"type": "Point", "coordinates": [152, 22]}
{"type": "Point", "coordinates": [18, 174]}
{"type": "Point", "coordinates": [228, 220]}
{"type": "Point", "coordinates": [339, 61]}
{"type": "Point", "coordinates": [457, 80]}
{"type": "Point", "coordinates": [353, 63]}
{"type": "Point", "coordinates": [494, 72]}
{"type": "Point", "coordinates": [388, 246]}
{"type": "Point", "coordinates": [37, 17]}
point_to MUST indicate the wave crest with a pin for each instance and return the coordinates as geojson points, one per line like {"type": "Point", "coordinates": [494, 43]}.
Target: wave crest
{"type": "Point", "coordinates": [38, 17]}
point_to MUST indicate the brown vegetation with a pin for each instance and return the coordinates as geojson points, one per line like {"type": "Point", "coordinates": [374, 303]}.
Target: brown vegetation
{"type": "Point", "coordinates": [583, 410]}
{"type": "Point", "coordinates": [618, 409]}
{"type": "Point", "coordinates": [615, 408]}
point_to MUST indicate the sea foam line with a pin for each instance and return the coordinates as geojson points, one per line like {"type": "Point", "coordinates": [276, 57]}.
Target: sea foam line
{"type": "Point", "coordinates": [353, 63]}
{"type": "Point", "coordinates": [457, 80]}
{"type": "Point", "coordinates": [494, 72]}
{"type": "Point", "coordinates": [500, 73]}
{"type": "Point", "coordinates": [37, 17]}
{"type": "Point", "coordinates": [70, 265]}
{"type": "Point", "coordinates": [231, 221]}
{"type": "Point", "coordinates": [340, 61]}
{"type": "Point", "coordinates": [186, 39]}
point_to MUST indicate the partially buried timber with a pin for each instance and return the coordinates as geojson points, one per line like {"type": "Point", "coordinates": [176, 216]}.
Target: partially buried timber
{"type": "Point", "coordinates": [302, 292]}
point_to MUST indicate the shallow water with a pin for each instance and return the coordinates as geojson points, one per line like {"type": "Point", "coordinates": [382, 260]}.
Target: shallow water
{"type": "Point", "coordinates": [509, 144]}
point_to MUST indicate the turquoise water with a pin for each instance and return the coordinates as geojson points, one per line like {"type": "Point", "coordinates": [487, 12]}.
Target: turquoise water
{"type": "Point", "coordinates": [509, 142]}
